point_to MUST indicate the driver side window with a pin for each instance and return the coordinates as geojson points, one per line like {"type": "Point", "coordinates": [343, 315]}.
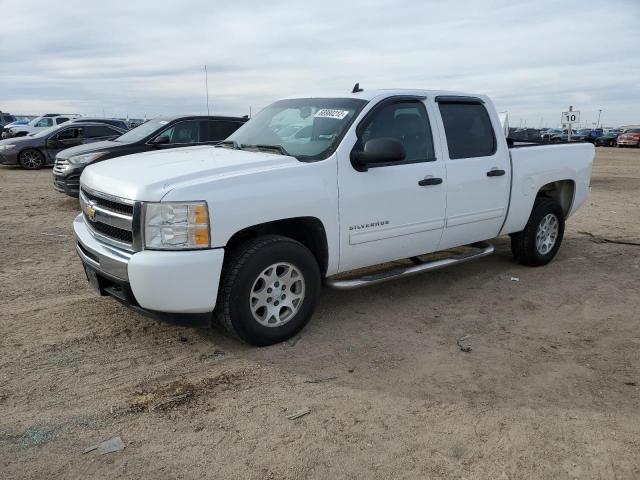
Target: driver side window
{"type": "Point", "coordinates": [182, 133]}
{"type": "Point", "coordinates": [67, 134]}
{"type": "Point", "coordinates": [406, 122]}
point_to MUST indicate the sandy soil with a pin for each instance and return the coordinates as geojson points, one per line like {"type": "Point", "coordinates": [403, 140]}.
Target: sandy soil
{"type": "Point", "coordinates": [550, 390]}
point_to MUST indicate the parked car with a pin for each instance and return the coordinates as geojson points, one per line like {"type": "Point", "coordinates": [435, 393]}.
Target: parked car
{"type": "Point", "coordinates": [252, 229]}
{"type": "Point", "coordinates": [582, 135]}
{"type": "Point", "coordinates": [157, 134]}
{"type": "Point", "coordinates": [38, 124]}
{"type": "Point", "coordinates": [6, 118]}
{"type": "Point", "coordinates": [551, 134]}
{"type": "Point", "coordinates": [121, 124]}
{"type": "Point", "coordinates": [606, 140]}
{"type": "Point", "coordinates": [35, 151]}
{"type": "Point", "coordinates": [525, 134]}
{"type": "Point", "coordinates": [630, 138]}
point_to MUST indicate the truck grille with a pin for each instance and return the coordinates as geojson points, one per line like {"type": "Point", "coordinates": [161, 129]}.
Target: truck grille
{"type": "Point", "coordinates": [110, 219]}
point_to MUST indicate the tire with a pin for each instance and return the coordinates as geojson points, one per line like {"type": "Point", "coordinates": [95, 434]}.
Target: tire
{"type": "Point", "coordinates": [528, 247]}
{"type": "Point", "coordinates": [31, 159]}
{"type": "Point", "coordinates": [247, 284]}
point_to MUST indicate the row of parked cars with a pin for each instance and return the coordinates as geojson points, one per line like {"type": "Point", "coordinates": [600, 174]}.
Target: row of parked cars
{"type": "Point", "coordinates": [74, 143]}
{"type": "Point", "coordinates": [11, 127]}
{"type": "Point", "coordinates": [616, 137]}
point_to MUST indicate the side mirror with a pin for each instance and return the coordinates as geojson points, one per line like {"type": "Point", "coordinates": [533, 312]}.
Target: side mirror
{"type": "Point", "coordinates": [161, 140]}
{"type": "Point", "coordinates": [376, 152]}
{"type": "Point", "coordinates": [52, 143]}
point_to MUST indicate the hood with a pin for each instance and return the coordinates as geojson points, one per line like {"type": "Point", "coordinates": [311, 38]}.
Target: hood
{"type": "Point", "coordinates": [22, 141]}
{"type": "Point", "coordinates": [90, 147]}
{"type": "Point", "coordinates": [149, 176]}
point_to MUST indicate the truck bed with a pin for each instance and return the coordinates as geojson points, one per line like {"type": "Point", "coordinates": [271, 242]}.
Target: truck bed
{"type": "Point", "coordinates": [538, 165]}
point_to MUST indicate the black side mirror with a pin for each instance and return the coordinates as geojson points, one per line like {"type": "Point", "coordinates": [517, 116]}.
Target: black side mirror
{"type": "Point", "coordinates": [52, 143]}
{"type": "Point", "coordinates": [377, 152]}
{"type": "Point", "coordinates": [161, 140]}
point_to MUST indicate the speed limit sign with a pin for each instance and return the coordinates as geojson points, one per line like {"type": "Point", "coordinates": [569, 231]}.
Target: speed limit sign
{"type": "Point", "coordinates": [570, 117]}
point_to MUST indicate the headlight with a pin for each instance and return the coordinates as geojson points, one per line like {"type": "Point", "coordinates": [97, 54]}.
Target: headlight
{"type": "Point", "coordinates": [6, 147]}
{"type": "Point", "coordinates": [176, 226]}
{"type": "Point", "coordinates": [85, 158]}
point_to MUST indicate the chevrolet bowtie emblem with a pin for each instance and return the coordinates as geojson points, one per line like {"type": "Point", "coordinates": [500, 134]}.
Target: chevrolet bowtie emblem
{"type": "Point", "coordinates": [91, 211]}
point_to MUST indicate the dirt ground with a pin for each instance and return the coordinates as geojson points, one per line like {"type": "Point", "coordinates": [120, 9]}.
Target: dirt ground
{"type": "Point", "coordinates": [550, 389]}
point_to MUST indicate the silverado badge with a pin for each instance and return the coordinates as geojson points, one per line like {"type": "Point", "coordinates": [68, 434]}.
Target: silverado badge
{"type": "Point", "coordinates": [91, 211]}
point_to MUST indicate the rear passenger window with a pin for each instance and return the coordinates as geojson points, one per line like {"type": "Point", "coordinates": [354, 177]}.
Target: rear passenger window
{"type": "Point", "coordinates": [468, 130]}
{"type": "Point", "coordinates": [220, 129]}
{"type": "Point", "coordinates": [99, 131]}
{"type": "Point", "coordinates": [60, 120]}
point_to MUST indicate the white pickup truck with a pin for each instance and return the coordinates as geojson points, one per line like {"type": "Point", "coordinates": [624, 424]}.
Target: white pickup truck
{"type": "Point", "coordinates": [320, 190]}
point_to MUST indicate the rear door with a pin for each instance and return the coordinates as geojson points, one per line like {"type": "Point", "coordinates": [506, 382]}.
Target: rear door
{"type": "Point", "coordinates": [478, 171]}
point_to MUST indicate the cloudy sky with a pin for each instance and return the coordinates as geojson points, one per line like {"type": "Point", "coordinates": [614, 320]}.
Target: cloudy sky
{"type": "Point", "coordinates": [146, 57]}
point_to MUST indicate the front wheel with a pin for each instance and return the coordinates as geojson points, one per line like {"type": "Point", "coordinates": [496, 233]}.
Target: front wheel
{"type": "Point", "coordinates": [269, 289]}
{"type": "Point", "coordinates": [31, 159]}
{"type": "Point", "coordinates": [540, 240]}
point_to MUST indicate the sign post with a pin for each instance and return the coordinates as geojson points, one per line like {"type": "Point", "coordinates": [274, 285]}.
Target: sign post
{"type": "Point", "coordinates": [569, 118]}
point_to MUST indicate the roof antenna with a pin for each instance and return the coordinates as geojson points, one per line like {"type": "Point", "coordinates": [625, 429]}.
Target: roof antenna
{"type": "Point", "coordinates": [357, 89]}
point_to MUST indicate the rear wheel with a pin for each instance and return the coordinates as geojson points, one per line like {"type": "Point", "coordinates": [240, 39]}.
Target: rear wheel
{"type": "Point", "coordinates": [269, 289]}
{"type": "Point", "coordinates": [540, 240]}
{"type": "Point", "coordinates": [31, 159]}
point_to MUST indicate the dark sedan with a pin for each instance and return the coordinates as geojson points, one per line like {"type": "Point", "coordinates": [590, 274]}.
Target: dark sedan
{"type": "Point", "coordinates": [159, 133]}
{"type": "Point", "coordinates": [35, 151]}
{"type": "Point", "coordinates": [608, 139]}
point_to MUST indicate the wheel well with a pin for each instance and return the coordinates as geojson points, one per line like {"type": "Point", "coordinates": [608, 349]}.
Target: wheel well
{"type": "Point", "coordinates": [562, 191]}
{"type": "Point", "coordinates": [309, 231]}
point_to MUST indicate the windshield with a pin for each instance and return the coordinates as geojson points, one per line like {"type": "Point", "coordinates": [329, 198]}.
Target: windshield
{"type": "Point", "coordinates": [305, 128]}
{"type": "Point", "coordinates": [142, 131]}
{"type": "Point", "coordinates": [633, 130]}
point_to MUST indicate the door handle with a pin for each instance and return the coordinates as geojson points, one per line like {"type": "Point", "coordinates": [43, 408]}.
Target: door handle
{"type": "Point", "coordinates": [430, 181]}
{"type": "Point", "coordinates": [494, 172]}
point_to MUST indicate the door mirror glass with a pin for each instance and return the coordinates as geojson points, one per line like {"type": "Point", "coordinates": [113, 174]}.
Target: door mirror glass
{"type": "Point", "coordinates": [379, 151]}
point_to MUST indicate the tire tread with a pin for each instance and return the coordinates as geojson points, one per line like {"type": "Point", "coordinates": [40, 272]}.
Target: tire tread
{"type": "Point", "coordinates": [238, 257]}
{"type": "Point", "coordinates": [521, 241]}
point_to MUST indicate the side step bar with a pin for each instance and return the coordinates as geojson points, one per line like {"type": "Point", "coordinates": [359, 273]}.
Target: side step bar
{"type": "Point", "coordinates": [481, 249]}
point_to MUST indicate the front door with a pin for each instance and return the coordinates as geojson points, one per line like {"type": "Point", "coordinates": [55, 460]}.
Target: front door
{"type": "Point", "coordinates": [397, 209]}
{"type": "Point", "coordinates": [181, 134]}
{"type": "Point", "coordinates": [479, 173]}
{"type": "Point", "coordinates": [65, 138]}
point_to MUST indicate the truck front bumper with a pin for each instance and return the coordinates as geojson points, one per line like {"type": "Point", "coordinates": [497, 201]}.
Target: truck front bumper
{"type": "Point", "coordinates": [177, 287]}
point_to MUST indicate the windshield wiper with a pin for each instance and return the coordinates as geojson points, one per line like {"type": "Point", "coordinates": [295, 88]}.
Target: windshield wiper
{"type": "Point", "coordinates": [278, 148]}
{"type": "Point", "coordinates": [231, 143]}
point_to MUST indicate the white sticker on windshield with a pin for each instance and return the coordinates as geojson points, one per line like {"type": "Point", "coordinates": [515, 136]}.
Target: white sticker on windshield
{"type": "Point", "coordinates": [331, 113]}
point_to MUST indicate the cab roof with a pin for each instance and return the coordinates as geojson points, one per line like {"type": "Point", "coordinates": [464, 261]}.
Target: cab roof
{"type": "Point", "coordinates": [372, 94]}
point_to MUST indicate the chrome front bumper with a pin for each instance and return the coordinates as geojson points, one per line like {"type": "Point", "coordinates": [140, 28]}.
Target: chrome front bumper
{"type": "Point", "coordinates": [110, 261]}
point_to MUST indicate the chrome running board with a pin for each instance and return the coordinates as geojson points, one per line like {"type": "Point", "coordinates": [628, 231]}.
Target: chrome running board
{"type": "Point", "coordinates": [480, 249]}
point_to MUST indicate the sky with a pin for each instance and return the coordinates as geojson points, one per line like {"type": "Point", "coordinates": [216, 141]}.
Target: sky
{"type": "Point", "coordinates": [146, 58]}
